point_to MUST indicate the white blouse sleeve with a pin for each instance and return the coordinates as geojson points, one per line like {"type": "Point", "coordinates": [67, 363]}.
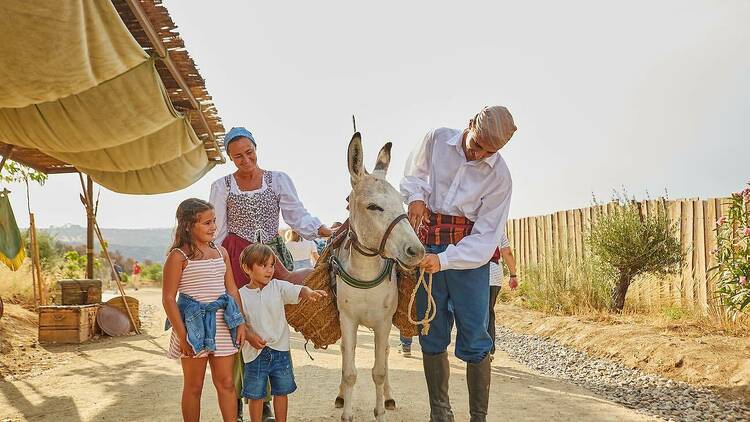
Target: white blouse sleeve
{"type": "Point", "coordinates": [292, 209]}
{"type": "Point", "coordinates": [218, 199]}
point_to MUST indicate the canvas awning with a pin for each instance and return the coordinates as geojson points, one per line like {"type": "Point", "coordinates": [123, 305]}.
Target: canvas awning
{"type": "Point", "coordinates": [91, 86]}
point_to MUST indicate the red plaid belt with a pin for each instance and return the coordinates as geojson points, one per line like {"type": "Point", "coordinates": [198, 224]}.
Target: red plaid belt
{"type": "Point", "coordinates": [443, 229]}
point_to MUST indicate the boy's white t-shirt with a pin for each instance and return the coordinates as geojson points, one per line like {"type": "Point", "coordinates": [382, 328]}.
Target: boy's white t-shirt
{"type": "Point", "coordinates": [264, 312]}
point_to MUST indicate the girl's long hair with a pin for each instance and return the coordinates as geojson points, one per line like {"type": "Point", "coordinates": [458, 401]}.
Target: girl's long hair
{"type": "Point", "coordinates": [187, 216]}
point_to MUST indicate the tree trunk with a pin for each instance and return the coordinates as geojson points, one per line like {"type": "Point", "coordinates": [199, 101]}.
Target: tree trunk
{"type": "Point", "coordinates": [618, 293]}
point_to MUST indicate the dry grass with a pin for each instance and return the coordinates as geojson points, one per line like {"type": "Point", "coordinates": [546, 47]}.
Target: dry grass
{"type": "Point", "coordinates": [16, 286]}
{"type": "Point", "coordinates": [583, 291]}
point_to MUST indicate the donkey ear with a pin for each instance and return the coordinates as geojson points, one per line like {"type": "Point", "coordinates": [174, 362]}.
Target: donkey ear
{"type": "Point", "coordinates": [384, 159]}
{"type": "Point", "coordinates": [354, 158]}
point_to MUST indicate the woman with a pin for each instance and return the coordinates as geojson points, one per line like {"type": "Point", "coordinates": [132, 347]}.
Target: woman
{"type": "Point", "coordinates": [248, 203]}
{"type": "Point", "coordinates": [304, 252]}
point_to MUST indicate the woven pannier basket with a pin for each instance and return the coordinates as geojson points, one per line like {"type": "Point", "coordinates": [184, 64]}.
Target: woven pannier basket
{"type": "Point", "coordinates": [407, 281]}
{"type": "Point", "coordinates": [317, 321]}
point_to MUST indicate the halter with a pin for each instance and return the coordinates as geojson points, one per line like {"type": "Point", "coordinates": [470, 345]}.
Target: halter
{"type": "Point", "coordinates": [338, 269]}
{"type": "Point", "coordinates": [364, 250]}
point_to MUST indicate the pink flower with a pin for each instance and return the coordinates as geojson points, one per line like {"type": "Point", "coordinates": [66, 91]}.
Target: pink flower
{"type": "Point", "coordinates": [721, 221]}
{"type": "Point", "coordinates": [746, 231]}
{"type": "Point", "coordinates": [743, 280]}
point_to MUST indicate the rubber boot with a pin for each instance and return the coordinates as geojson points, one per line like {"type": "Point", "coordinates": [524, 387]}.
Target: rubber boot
{"type": "Point", "coordinates": [437, 373]}
{"type": "Point", "coordinates": [478, 377]}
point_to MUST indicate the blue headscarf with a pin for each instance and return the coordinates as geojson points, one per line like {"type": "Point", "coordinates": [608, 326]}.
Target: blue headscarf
{"type": "Point", "coordinates": [235, 133]}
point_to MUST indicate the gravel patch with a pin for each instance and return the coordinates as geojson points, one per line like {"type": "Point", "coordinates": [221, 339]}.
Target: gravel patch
{"type": "Point", "coordinates": [632, 388]}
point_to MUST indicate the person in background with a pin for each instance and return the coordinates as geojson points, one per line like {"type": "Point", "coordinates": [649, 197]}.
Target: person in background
{"type": "Point", "coordinates": [496, 280]}
{"type": "Point", "coordinates": [137, 275]}
{"type": "Point", "coordinates": [304, 252]}
{"type": "Point", "coordinates": [320, 243]}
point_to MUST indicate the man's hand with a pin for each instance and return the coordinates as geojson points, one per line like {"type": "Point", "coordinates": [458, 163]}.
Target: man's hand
{"type": "Point", "coordinates": [324, 231]}
{"type": "Point", "coordinates": [430, 263]}
{"type": "Point", "coordinates": [513, 282]}
{"type": "Point", "coordinates": [417, 212]}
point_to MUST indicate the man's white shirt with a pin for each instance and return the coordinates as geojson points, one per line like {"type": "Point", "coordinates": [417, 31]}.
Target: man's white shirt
{"type": "Point", "coordinates": [438, 174]}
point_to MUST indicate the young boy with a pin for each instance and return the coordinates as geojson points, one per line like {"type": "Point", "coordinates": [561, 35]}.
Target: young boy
{"type": "Point", "coordinates": [263, 300]}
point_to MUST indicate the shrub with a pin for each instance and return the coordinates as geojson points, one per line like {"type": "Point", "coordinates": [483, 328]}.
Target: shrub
{"type": "Point", "coordinates": [733, 253]}
{"type": "Point", "coordinates": [152, 272]}
{"type": "Point", "coordinates": [631, 245]}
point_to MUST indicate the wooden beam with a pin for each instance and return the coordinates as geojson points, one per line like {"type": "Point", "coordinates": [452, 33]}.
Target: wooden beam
{"type": "Point", "coordinates": [163, 53]}
{"type": "Point", "coordinates": [7, 152]}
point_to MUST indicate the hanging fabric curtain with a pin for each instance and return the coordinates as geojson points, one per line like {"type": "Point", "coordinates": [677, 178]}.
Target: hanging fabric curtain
{"type": "Point", "coordinates": [79, 88]}
{"type": "Point", "coordinates": [12, 252]}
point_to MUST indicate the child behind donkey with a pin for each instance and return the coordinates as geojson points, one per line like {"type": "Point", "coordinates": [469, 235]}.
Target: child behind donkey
{"type": "Point", "coordinates": [206, 319]}
{"type": "Point", "coordinates": [263, 300]}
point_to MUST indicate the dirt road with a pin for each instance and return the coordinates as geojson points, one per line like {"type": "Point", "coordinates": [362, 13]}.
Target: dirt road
{"type": "Point", "coordinates": [129, 379]}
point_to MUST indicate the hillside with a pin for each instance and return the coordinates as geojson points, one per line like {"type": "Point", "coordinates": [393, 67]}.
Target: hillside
{"type": "Point", "coordinates": [140, 244]}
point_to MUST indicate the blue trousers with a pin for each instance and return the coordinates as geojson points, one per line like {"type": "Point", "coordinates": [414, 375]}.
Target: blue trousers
{"type": "Point", "coordinates": [467, 294]}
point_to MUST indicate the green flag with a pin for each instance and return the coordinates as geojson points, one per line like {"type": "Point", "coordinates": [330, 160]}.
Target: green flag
{"type": "Point", "coordinates": [12, 252]}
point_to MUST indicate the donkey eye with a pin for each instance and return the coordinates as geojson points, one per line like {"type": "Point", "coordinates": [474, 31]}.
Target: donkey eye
{"type": "Point", "coordinates": [373, 207]}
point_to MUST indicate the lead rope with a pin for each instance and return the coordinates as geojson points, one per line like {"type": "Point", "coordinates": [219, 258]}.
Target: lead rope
{"type": "Point", "coordinates": [431, 311]}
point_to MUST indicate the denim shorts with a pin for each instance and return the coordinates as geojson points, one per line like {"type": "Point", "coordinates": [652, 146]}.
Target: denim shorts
{"type": "Point", "coordinates": [270, 365]}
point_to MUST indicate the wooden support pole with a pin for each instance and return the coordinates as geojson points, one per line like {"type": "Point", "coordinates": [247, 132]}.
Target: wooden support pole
{"type": "Point", "coordinates": [36, 269]}
{"type": "Point", "coordinates": [87, 198]}
{"type": "Point", "coordinates": [89, 228]}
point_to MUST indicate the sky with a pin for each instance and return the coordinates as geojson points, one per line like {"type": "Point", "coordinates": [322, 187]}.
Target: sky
{"type": "Point", "coordinates": [642, 95]}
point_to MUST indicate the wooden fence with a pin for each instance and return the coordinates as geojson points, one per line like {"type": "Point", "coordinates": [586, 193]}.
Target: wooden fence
{"type": "Point", "coordinates": [562, 236]}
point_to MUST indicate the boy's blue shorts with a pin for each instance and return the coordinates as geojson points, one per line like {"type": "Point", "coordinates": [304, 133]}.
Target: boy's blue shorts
{"type": "Point", "coordinates": [270, 365]}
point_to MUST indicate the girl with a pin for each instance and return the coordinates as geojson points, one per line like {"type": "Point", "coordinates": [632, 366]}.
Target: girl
{"type": "Point", "coordinates": [201, 273]}
{"type": "Point", "coordinates": [266, 297]}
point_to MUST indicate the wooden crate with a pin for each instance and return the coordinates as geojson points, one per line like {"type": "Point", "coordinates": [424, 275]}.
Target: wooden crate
{"type": "Point", "coordinates": [67, 324]}
{"type": "Point", "coordinates": [81, 292]}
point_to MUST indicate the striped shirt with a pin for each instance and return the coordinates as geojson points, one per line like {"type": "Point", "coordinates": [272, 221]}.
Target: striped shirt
{"type": "Point", "coordinates": [203, 280]}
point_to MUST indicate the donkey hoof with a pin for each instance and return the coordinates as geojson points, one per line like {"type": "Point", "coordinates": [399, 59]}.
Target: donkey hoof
{"type": "Point", "coordinates": [390, 404]}
{"type": "Point", "coordinates": [339, 402]}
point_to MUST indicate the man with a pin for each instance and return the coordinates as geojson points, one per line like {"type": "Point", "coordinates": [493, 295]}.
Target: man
{"type": "Point", "coordinates": [458, 190]}
{"type": "Point", "coordinates": [496, 280]}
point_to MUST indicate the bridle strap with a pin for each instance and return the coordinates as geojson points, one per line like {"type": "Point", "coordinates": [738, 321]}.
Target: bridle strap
{"type": "Point", "coordinates": [364, 250]}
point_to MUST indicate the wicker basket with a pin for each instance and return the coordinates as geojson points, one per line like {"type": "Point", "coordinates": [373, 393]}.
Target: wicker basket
{"type": "Point", "coordinates": [317, 321]}
{"type": "Point", "coordinates": [406, 282]}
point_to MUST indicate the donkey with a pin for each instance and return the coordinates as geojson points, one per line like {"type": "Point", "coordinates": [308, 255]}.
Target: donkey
{"type": "Point", "coordinates": [379, 236]}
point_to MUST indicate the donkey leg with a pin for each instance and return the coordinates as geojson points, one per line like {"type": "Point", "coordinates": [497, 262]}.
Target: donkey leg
{"type": "Point", "coordinates": [390, 403]}
{"type": "Point", "coordinates": [348, 368]}
{"type": "Point", "coordinates": [379, 370]}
